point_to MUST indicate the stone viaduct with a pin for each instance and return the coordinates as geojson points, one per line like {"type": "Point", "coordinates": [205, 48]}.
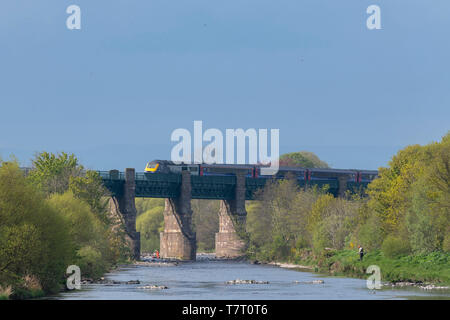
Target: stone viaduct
{"type": "Point", "coordinates": [178, 240]}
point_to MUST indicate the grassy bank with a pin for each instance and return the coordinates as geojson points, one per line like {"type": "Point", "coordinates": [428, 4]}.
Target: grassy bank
{"type": "Point", "coordinates": [427, 268]}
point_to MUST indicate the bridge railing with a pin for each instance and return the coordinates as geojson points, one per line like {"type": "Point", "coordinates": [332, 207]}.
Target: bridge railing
{"type": "Point", "coordinates": [112, 175]}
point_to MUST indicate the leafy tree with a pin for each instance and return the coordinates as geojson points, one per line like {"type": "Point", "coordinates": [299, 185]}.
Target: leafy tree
{"type": "Point", "coordinates": [205, 219]}
{"type": "Point", "coordinates": [304, 159]}
{"type": "Point", "coordinates": [51, 173]}
{"type": "Point", "coordinates": [90, 189]}
{"type": "Point", "coordinates": [150, 224]}
{"type": "Point", "coordinates": [33, 237]}
{"type": "Point", "coordinates": [89, 235]}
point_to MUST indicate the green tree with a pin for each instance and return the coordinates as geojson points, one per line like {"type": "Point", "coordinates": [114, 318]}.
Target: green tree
{"type": "Point", "coordinates": [304, 159]}
{"type": "Point", "coordinates": [90, 189]}
{"type": "Point", "coordinates": [89, 235]}
{"type": "Point", "coordinates": [205, 220]}
{"type": "Point", "coordinates": [51, 173]}
{"type": "Point", "coordinates": [150, 224]}
{"type": "Point", "coordinates": [34, 238]}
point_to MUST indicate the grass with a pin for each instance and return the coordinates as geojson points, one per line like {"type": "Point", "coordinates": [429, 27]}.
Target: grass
{"type": "Point", "coordinates": [429, 268]}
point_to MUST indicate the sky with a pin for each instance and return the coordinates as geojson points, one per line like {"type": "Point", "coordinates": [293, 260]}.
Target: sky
{"type": "Point", "coordinates": [114, 91]}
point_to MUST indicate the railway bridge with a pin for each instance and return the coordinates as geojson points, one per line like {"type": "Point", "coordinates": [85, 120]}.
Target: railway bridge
{"type": "Point", "coordinates": [178, 240]}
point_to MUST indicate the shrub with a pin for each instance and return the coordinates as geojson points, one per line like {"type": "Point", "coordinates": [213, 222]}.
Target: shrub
{"type": "Point", "coordinates": [370, 234]}
{"type": "Point", "coordinates": [446, 243]}
{"type": "Point", "coordinates": [90, 262]}
{"type": "Point", "coordinates": [5, 292]}
{"type": "Point", "coordinates": [33, 237]}
{"type": "Point", "coordinates": [149, 225]}
{"type": "Point", "coordinates": [394, 247]}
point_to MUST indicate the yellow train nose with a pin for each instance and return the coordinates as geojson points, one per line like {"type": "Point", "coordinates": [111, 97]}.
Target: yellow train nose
{"type": "Point", "coordinates": [152, 169]}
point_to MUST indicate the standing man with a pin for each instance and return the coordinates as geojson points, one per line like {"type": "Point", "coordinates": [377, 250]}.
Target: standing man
{"type": "Point", "coordinates": [361, 253]}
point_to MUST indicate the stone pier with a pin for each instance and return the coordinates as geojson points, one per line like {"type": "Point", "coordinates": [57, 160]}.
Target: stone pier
{"type": "Point", "coordinates": [127, 210]}
{"type": "Point", "coordinates": [342, 185]}
{"type": "Point", "coordinates": [232, 219]}
{"type": "Point", "coordinates": [178, 241]}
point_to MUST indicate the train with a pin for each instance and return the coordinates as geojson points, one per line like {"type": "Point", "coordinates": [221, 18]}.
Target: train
{"type": "Point", "coordinates": [254, 171]}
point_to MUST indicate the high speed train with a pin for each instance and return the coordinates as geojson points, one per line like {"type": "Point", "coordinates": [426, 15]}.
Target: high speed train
{"type": "Point", "coordinates": [254, 171]}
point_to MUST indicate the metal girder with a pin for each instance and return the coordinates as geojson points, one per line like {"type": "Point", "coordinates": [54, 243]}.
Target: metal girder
{"type": "Point", "coordinates": [163, 185]}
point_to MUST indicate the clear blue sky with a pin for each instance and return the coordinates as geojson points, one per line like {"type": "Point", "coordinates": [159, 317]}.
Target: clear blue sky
{"type": "Point", "coordinates": [114, 91]}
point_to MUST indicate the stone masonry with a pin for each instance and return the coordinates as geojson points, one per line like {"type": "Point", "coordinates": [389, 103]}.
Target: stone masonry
{"type": "Point", "coordinates": [128, 212]}
{"type": "Point", "coordinates": [232, 218]}
{"type": "Point", "coordinates": [178, 241]}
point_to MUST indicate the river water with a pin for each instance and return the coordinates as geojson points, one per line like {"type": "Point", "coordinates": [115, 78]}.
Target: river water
{"type": "Point", "coordinates": [205, 279]}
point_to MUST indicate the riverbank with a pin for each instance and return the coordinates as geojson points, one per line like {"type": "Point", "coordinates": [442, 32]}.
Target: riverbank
{"type": "Point", "coordinates": [425, 271]}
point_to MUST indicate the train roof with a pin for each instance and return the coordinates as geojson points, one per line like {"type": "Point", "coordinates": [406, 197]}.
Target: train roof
{"type": "Point", "coordinates": [250, 166]}
{"type": "Point", "coordinates": [228, 166]}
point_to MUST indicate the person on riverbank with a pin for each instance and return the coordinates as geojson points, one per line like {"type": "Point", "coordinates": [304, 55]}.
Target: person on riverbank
{"type": "Point", "coordinates": [361, 253]}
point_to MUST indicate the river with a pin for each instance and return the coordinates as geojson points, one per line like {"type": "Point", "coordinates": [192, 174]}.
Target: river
{"type": "Point", "coordinates": [205, 279]}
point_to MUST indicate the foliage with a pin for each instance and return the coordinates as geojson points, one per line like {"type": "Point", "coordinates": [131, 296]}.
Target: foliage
{"type": "Point", "coordinates": [51, 173]}
{"type": "Point", "coordinates": [91, 261]}
{"type": "Point", "coordinates": [33, 238]}
{"type": "Point", "coordinates": [150, 224]}
{"type": "Point", "coordinates": [411, 197]}
{"type": "Point", "coordinates": [205, 220]}
{"type": "Point", "coordinates": [446, 244]}
{"type": "Point", "coordinates": [304, 159]}
{"type": "Point", "coordinates": [432, 267]}
{"type": "Point", "coordinates": [89, 235]}
{"type": "Point", "coordinates": [51, 219]}
{"type": "Point", "coordinates": [370, 233]}
{"type": "Point", "coordinates": [394, 247]}
{"type": "Point", "coordinates": [405, 217]}
{"type": "Point", "coordinates": [90, 189]}
{"type": "Point", "coordinates": [5, 292]}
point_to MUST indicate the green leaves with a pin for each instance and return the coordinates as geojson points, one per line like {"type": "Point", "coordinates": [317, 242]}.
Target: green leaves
{"type": "Point", "coordinates": [55, 217]}
{"type": "Point", "coordinates": [51, 173]}
{"type": "Point", "coordinates": [302, 159]}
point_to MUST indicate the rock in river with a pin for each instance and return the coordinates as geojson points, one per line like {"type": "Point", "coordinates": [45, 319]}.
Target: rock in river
{"type": "Point", "coordinates": [239, 281]}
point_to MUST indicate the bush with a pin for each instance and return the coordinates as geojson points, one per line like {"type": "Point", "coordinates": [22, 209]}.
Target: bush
{"type": "Point", "coordinates": [320, 239]}
{"type": "Point", "coordinates": [5, 292]}
{"type": "Point", "coordinates": [149, 224]}
{"type": "Point", "coordinates": [88, 234]}
{"type": "Point", "coordinates": [446, 243]}
{"type": "Point", "coordinates": [370, 234]}
{"type": "Point", "coordinates": [394, 247]}
{"type": "Point", "coordinates": [90, 262]}
{"type": "Point", "coordinates": [33, 237]}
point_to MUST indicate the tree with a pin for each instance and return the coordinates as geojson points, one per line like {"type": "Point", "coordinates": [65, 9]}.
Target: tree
{"type": "Point", "coordinates": [51, 173]}
{"type": "Point", "coordinates": [34, 238]}
{"type": "Point", "coordinates": [150, 224]}
{"type": "Point", "coordinates": [205, 219]}
{"type": "Point", "coordinates": [411, 196]}
{"type": "Point", "coordinates": [90, 189]}
{"type": "Point", "coordinates": [304, 159]}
